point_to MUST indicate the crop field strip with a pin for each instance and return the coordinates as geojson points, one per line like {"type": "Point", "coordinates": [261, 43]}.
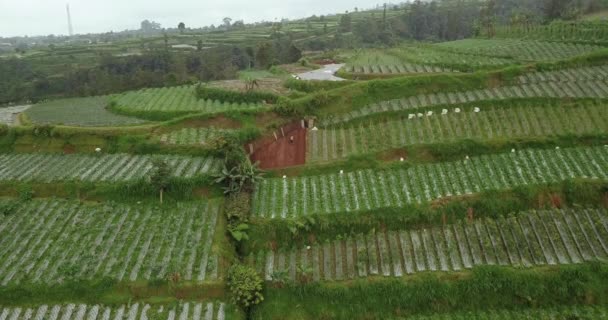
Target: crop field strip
{"type": "Point", "coordinates": [574, 74]}
{"type": "Point", "coordinates": [89, 111]}
{"type": "Point", "coordinates": [371, 190]}
{"type": "Point", "coordinates": [456, 124]}
{"type": "Point", "coordinates": [7, 114]}
{"type": "Point", "coordinates": [530, 239]}
{"type": "Point", "coordinates": [175, 99]}
{"type": "Point", "coordinates": [136, 311]}
{"type": "Point", "coordinates": [97, 168]}
{"type": "Point", "coordinates": [546, 89]}
{"type": "Point", "coordinates": [49, 241]}
{"type": "Point", "coordinates": [397, 68]}
{"type": "Point", "coordinates": [192, 136]}
{"type": "Point", "coordinates": [523, 50]}
{"type": "Point", "coordinates": [568, 31]}
{"type": "Point", "coordinates": [432, 56]}
{"type": "Point", "coordinates": [560, 313]}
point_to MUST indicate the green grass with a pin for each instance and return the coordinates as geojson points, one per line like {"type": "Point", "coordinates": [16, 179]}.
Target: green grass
{"type": "Point", "coordinates": [91, 111]}
{"type": "Point", "coordinates": [481, 289]}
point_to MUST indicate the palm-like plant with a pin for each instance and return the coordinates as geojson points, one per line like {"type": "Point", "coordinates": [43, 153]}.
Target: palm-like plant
{"type": "Point", "coordinates": [241, 176]}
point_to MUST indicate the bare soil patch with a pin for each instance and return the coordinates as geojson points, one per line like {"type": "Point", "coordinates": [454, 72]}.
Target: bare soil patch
{"type": "Point", "coordinates": [281, 152]}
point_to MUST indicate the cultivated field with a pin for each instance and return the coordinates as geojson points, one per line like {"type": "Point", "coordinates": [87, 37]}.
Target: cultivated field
{"type": "Point", "coordinates": [373, 190]}
{"type": "Point", "coordinates": [56, 240]}
{"type": "Point", "coordinates": [174, 100]}
{"type": "Point", "coordinates": [577, 88]}
{"type": "Point", "coordinates": [97, 168]}
{"type": "Point", "coordinates": [185, 311]}
{"type": "Point", "coordinates": [526, 240]}
{"type": "Point", "coordinates": [90, 111]}
{"type": "Point", "coordinates": [520, 50]}
{"type": "Point", "coordinates": [525, 120]}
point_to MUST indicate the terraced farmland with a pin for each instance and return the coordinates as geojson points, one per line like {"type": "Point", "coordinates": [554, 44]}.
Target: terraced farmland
{"type": "Point", "coordinates": [192, 136]}
{"type": "Point", "coordinates": [50, 241]}
{"type": "Point", "coordinates": [429, 55]}
{"type": "Point", "coordinates": [175, 100]}
{"type": "Point", "coordinates": [521, 50]}
{"type": "Point", "coordinates": [546, 89]}
{"type": "Point", "coordinates": [427, 127]}
{"type": "Point", "coordinates": [185, 311]}
{"type": "Point", "coordinates": [530, 239]}
{"type": "Point", "coordinates": [383, 62]}
{"type": "Point", "coordinates": [561, 313]}
{"type": "Point", "coordinates": [368, 189]}
{"type": "Point", "coordinates": [576, 74]}
{"type": "Point", "coordinates": [97, 168]}
{"type": "Point", "coordinates": [90, 111]}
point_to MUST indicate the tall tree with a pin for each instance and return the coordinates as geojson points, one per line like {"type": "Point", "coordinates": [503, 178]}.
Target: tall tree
{"type": "Point", "coordinates": [161, 176]}
{"type": "Point", "coordinates": [182, 27]}
{"type": "Point", "coordinates": [345, 23]}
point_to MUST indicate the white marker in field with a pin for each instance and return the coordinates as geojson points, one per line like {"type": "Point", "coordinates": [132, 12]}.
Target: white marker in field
{"type": "Point", "coordinates": [341, 171]}
{"type": "Point", "coordinates": [457, 110]}
{"type": "Point", "coordinates": [430, 113]}
{"type": "Point", "coordinates": [420, 115]}
{"type": "Point", "coordinates": [98, 150]}
{"type": "Point", "coordinates": [411, 116]}
{"type": "Point", "coordinates": [476, 109]}
{"type": "Point", "coordinates": [284, 177]}
{"type": "Point", "coordinates": [513, 150]}
{"type": "Point", "coordinates": [401, 159]}
{"type": "Point", "coordinates": [444, 111]}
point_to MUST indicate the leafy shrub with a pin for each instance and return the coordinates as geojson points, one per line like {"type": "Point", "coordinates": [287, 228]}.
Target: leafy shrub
{"type": "Point", "coordinates": [245, 285]}
{"type": "Point", "coordinates": [237, 208]}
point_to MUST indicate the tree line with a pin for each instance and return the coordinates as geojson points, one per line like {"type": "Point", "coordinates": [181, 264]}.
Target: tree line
{"type": "Point", "coordinates": [28, 80]}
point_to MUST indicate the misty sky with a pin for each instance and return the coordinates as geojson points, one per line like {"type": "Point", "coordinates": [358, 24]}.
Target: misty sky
{"type": "Point", "coordinates": [43, 17]}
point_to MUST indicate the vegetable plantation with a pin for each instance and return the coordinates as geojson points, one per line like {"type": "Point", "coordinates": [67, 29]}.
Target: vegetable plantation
{"type": "Point", "coordinates": [98, 168]}
{"type": "Point", "coordinates": [449, 125]}
{"type": "Point", "coordinates": [174, 100]}
{"type": "Point", "coordinates": [525, 240]}
{"type": "Point", "coordinates": [52, 241]}
{"type": "Point", "coordinates": [185, 311]}
{"type": "Point", "coordinates": [90, 111]}
{"type": "Point", "coordinates": [542, 89]}
{"type": "Point", "coordinates": [520, 50]}
{"type": "Point", "coordinates": [384, 62]}
{"type": "Point", "coordinates": [369, 189]}
{"type": "Point", "coordinates": [561, 313]}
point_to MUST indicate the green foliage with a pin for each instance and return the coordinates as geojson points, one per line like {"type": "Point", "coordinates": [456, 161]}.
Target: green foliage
{"type": "Point", "coordinates": [238, 178]}
{"type": "Point", "coordinates": [245, 286]}
{"type": "Point", "coordinates": [483, 288]}
{"type": "Point", "coordinates": [160, 176]}
{"type": "Point", "coordinates": [250, 96]}
{"type": "Point", "coordinates": [237, 211]}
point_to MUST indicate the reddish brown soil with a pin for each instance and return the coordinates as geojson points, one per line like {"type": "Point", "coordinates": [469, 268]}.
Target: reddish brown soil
{"type": "Point", "coordinates": [280, 153]}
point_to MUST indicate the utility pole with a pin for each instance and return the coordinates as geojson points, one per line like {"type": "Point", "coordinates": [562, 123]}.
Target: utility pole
{"type": "Point", "coordinates": [70, 29]}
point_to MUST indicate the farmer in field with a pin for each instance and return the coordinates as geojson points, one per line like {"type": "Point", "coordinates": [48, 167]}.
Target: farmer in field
{"type": "Point", "coordinates": [291, 139]}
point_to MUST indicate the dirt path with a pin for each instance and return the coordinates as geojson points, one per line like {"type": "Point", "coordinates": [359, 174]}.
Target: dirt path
{"type": "Point", "coordinates": [325, 73]}
{"type": "Point", "coordinates": [281, 153]}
